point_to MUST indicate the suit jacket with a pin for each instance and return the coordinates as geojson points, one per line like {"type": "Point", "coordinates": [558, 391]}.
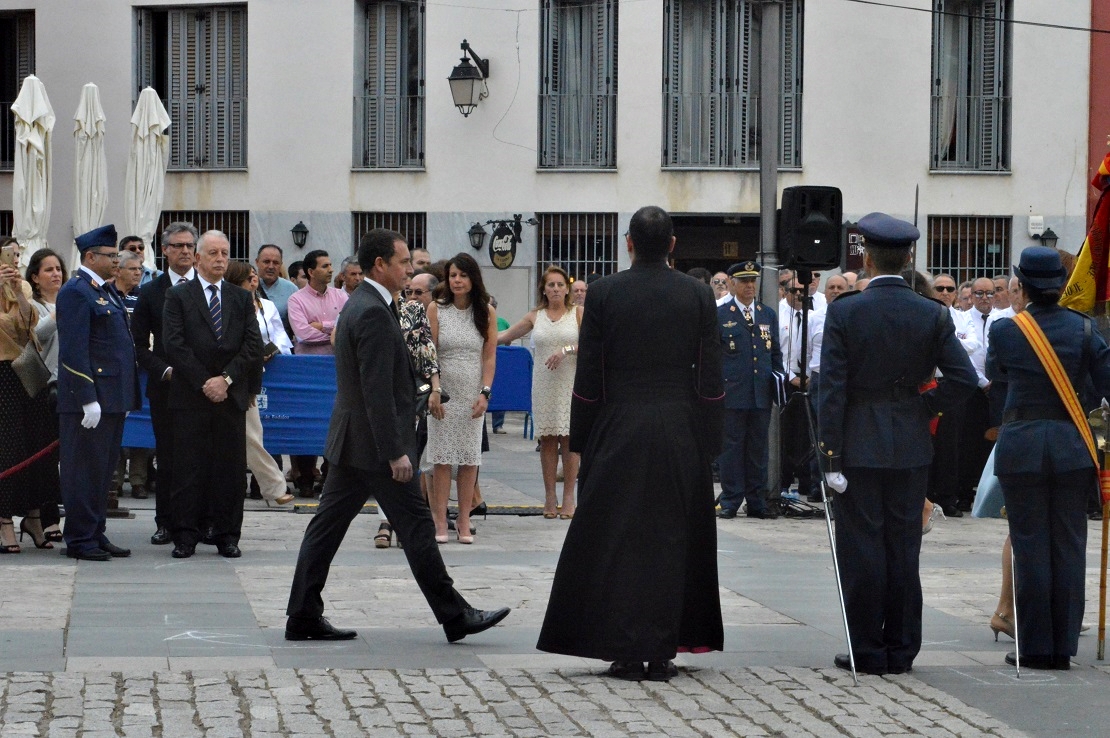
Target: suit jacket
{"type": "Point", "coordinates": [374, 419]}
{"type": "Point", "coordinates": [1037, 446]}
{"type": "Point", "coordinates": [96, 357]}
{"type": "Point", "coordinates": [191, 348]}
{"type": "Point", "coordinates": [750, 356]}
{"type": "Point", "coordinates": [649, 335]}
{"type": "Point", "coordinates": [146, 321]}
{"type": "Point", "coordinates": [878, 347]}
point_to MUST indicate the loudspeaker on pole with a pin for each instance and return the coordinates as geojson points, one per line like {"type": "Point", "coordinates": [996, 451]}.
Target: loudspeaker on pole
{"type": "Point", "coordinates": [809, 227]}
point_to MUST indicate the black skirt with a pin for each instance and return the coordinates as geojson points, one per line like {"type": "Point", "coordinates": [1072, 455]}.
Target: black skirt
{"type": "Point", "coordinates": [26, 426]}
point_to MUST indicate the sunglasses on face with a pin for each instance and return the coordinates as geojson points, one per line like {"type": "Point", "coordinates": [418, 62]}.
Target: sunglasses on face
{"type": "Point", "coordinates": [945, 288]}
{"type": "Point", "coordinates": [981, 294]}
{"type": "Point", "coordinates": [784, 285]}
{"type": "Point", "coordinates": [718, 282]}
{"type": "Point", "coordinates": [413, 292]}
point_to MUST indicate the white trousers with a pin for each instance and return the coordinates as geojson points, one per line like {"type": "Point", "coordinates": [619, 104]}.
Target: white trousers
{"type": "Point", "coordinates": [271, 481]}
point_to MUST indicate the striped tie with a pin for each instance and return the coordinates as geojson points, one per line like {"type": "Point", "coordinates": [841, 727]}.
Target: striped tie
{"type": "Point", "coordinates": [215, 311]}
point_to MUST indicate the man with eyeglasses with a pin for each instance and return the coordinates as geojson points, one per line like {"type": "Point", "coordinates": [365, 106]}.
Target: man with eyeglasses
{"type": "Point", "coordinates": [136, 245]}
{"type": "Point", "coordinates": [1001, 294]}
{"type": "Point", "coordinates": [420, 288]}
{"type": "Point", "coordinates": [128, 276]}
{"type": "Point", "coordinates": [98, 385]}
{"type": "Point", "coordinates": [944, 475]}
{"type": "Point", "coordinates": [719, 283]}
{"type": "Point", "coordinates": [974, 447]}
{"type": "Point", "coordinates": [179, 242]}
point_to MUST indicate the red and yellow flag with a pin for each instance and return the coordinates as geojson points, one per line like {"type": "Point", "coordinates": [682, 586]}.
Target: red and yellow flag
{"type": "Point", "coordinates": [1089, 284]}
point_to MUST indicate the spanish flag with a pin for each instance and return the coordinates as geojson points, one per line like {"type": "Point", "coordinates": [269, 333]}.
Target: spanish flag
{"type": "Point", "coordinates": [1089, 285]}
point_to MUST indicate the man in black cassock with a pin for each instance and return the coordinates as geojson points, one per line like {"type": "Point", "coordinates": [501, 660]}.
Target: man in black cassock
{"type": "Point", "coordinates": [637, 577]}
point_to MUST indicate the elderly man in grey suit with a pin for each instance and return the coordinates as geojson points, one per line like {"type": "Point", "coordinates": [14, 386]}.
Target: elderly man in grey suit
{"type": "Point", "coordinates": [371, 447]}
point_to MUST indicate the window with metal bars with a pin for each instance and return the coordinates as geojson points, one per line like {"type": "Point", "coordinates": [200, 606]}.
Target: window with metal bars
{"type": "Point", "coordinates": [412, 226]}
{"type": "Point", "coordinates": [971, 85]}
{"type": "Point", "coordinates": [711, 83]}
{"type": "Point", "coordinates": [234, 223]}
{"type": "Point", "coordinates": [17, 60]}
{"type": "Point", "coordinates": [581, 243]}
{"type": "Point", "coordinates": [578, 83]}
{"type": "Point", "coordinates": [196, 59]}
{"type": "Point", "coordinates": [969, 247]}
{"type": "Point", "coordinates": [7, 222]}
{"type": "Point", "coordinates": [389, 114]}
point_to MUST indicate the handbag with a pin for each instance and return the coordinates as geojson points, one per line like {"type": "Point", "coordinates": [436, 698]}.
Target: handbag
{"type": "Point", "coordinates": [32, 371]}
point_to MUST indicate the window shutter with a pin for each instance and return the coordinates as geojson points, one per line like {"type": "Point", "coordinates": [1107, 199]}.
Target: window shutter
{"type": "Point", "coordinates": [605, 85]}
{"type": "Point", "coordinates": [672, 81]}
{"type": "Point", "coordinates": [226, 86]}
{"type": "Point", "coordinates": [744, 106]}
{"type": "Point", "coordinates": [549, 84]}
{"type": "Point", "coordinates": [144, 71]}
{"type": "Point", "coordinates": [182, 86]}
{"type": "Point", "coordinates": [790, 148]}
{"type": "Point", "coordinates": [24, 47]}
{"type": "Point", "coordinates": [992, 38]}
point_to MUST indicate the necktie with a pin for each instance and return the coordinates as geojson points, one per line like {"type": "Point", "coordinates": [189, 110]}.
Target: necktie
{"type": "Point", "coordinates": [748, 316]}
{"type": "Point", "coordinates": [180, 280]}
{"type": "Point", "coordinates": [215, 311]}
{"type": "Point", "coordinates": [987, 315]}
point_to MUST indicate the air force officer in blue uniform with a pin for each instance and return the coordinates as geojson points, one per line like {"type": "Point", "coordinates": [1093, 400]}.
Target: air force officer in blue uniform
{"type": "Point", "coordinates": [97, 386]}
{"type": "Point", "coordinates": [880, 346]}
{"type": "Point", "coordinates": [1043, 464]}
{"type": "Point", "coordinates": [751, 357]}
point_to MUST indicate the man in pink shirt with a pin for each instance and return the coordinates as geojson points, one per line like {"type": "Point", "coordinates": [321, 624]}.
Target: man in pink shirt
{"type": "Point", "coordinates": [313, 309]}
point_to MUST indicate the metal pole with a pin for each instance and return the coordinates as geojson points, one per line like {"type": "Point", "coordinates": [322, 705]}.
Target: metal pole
{"type": "Point", "coordinates": [770, 110]}
{"type": "Point", "coordinates": [1013, 578]}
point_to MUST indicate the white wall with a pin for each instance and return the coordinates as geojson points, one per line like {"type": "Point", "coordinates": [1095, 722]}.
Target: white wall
{"type": "Point", "coordinates": [865, 125]}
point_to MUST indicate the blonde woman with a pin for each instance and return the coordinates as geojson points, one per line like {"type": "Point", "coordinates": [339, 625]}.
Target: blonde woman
{"type": "Point", "coordinates": [554, 325]}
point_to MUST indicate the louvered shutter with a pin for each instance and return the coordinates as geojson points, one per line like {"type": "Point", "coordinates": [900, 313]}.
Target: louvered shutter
{"type": "Point", "coordinates": [789, 147]}
{"type": "Point", "coordinates": [226, 86]}
{"type": "Point", "coordinates": [24, 47]}
{"type": "Point", "coordinates": [550, 87]}
{"type": "Point", "coordinates": [605, 85]}
{"type": "Point", "coordinates": [991, 42]}
{"type": "Point", "coordinates": [744, 104]}
{"type": "Point", "coordinates": [672, 81]}
{"type": "Point", "coordinates": [183, 81]}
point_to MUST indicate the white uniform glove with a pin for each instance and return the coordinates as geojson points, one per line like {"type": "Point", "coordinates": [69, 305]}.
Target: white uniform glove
{"type": "Point", "coordinates": [836, 482]}
{"type": "Point", "coordinates": [92, 415]}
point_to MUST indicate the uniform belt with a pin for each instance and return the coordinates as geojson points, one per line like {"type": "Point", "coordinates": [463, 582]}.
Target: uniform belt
{"type": "Point", "coordinates": [1018, 414]}
{"type": "Point", "coordinates": [882, 394]}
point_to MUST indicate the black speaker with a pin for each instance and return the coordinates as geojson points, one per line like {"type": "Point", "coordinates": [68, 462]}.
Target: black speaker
{"type": "Point", "coordinates": [809, 232]}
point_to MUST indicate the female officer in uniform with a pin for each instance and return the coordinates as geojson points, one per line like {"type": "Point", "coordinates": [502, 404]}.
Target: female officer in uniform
{"type": "Point", "coordinates": [1042, 461]}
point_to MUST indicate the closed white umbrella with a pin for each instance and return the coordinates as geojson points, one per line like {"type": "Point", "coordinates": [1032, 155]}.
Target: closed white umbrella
{"type": "Point", "coordinates": [90, 188]}
{"type": "Point", "coordinates": [146, 169]}
{"type": "Point", "coordinates": [34, 120]}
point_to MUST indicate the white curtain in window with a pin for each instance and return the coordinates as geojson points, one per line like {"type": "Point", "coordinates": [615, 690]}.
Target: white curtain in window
{"type": "Point", "coordinates": [947, 73]}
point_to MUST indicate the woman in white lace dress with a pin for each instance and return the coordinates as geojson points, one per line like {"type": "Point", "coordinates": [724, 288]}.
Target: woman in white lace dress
{"type": "Point", "coordinates": [554, 326]}
{"type": "Point", "coordinates": [464, 330]}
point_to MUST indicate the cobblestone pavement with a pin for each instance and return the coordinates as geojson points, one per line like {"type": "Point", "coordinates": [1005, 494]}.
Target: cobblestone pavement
{"type": "Point", "coordinates": [152, 646]}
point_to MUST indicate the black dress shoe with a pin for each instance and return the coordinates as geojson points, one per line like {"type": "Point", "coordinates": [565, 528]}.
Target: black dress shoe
{"type": "Point", "coordinates": [661, 671]}
{"type": "Point", "coordinates": [139, 492]}
{"type": "Point", "coordinates": [89, 554]}
{"type": "Point", "coordinates": [951, 511]}
{"type": "Point", "coordinates": [472, 621]}
{"type": "Point", "coordinates": [1036, 662]}
{"type": "Point", "coordinates": [630, 671]}
{"type": "Point", "coordinates": [183, 550]}
{"type": "Point", "coordinates": [964, 505]}
{"type": "Point", "coordinates": [116, 551]}
{"type": "Point", "coordinates": [767, 514]}
{"type": "Point", "coordinates": [726, 513]}
{"type": "Point", "coordinates": [161, 537]}
{"type": "Point", "coordinates": [229, 550]}
{"type": "Point", "coordinates": [307, 629]}
{"type": "Point", "coordinates": [843, 661]}
{"type": "Point", "coordinates": [209, 537]}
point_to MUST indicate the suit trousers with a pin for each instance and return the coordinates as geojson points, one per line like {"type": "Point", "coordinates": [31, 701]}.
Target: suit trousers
{"type": "Point", "coordinates": [345, 492]}
{"type": "Point", "coordinates": [1048, 533]}
{"type": "Point", "coordinates": [878, 544]}
{"type": "Point", "coordinates": [944, 474]}
{"type": "Point", "coordinates": [974, 448]}
{"type": "Point", "coordinates": [88, 458]}
{"type": "Point", "coordinates": [209, 471]}
{"type": "Point", "coordinates": [161, 421]}
{"type": "Point", "coordinates": [742, 464]}
{"type": "Point", "coordinates": [271, 481]}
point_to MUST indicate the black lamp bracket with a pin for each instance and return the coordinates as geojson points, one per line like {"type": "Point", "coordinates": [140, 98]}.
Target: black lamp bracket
{"type": "Point", "coordinates": [482, 64]}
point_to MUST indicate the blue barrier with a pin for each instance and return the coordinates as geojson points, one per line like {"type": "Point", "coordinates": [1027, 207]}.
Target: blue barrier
{"type": "Point", "coordinates": [298, 394]}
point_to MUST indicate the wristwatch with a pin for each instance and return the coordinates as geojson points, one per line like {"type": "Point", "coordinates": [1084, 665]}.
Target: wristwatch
{"type": "Point", "coordinates": [486, 392]}
{"type": "Point", "coordinates": [226, 378]}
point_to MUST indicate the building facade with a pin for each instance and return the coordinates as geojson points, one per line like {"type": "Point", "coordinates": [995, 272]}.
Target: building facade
{"type": "Point", "coordinates": [337, 113]}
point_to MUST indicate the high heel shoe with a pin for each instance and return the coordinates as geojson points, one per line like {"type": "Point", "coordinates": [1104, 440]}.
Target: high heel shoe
{"type": "Point", "coordinates": [481, 509]}
{"type": "Point", "coordinates": [464, 539]}
{"type": "Point", "coordinates": [8, 548]}
{"type": "Point", "coordinates": [24, 529]}
{"type": "Point", "coordinates": [53, 535]}
{"type": "Point", "coordinates": [285, 499]}
{"type": "Point", "coordinates": [1001, 624]}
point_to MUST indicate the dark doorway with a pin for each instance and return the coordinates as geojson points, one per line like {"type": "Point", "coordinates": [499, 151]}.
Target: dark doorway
{"type": "Point", "coordinates": [714, 242]}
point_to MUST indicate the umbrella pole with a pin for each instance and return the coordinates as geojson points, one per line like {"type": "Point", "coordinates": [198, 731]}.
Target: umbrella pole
{"type": "Point", "coordinates": [1102, 584]}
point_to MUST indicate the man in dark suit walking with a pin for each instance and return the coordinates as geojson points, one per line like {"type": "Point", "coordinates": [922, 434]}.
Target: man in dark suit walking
{"type": "Point", "coordinates": [98, 385]}
{"type": "Point", "coordinates": [371, 448]}
{"type": "Point", "coordinates": [880, 345]}
{"type": "Point", "coordinates": [212, 341]}
{"type": "Point", "coordinates": [179, 243]}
